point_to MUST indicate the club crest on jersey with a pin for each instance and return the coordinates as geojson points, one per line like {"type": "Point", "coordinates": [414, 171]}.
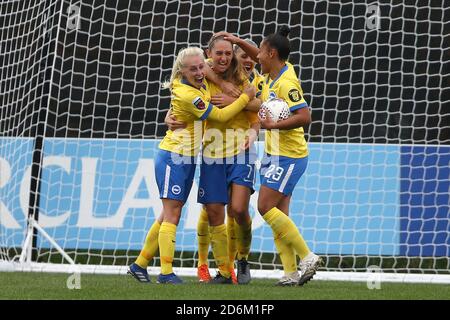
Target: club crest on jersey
{"type": "Point", "coordinates": [272, 95]}
{"type": "Point", "coordinates": [199, 104]}
{"type": "Point", "coordinates": [176, 189]}
{"type": "Point", "coordinates": [294, 95]}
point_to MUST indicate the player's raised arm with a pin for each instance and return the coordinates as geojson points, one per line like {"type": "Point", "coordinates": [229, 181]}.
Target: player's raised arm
{"type": "Point", "coordinates": [250, 49]}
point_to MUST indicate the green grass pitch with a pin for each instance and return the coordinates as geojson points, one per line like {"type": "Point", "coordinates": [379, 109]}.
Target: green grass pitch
{"type": "Point", "coordinates": [18, 285]}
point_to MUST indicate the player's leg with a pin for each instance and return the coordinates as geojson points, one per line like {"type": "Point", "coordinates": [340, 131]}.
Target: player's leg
{"type": "Point", "coordinates": [213, 194]}
{"type": "Point", "coordinates": [309, 262]}
{"type": "Point", "coordinates": [281, 224]}
{"type": "Point", "coordinates": [166, 239]}
{"type": "Point", "coordinates": [232, 241]}
{"type": "Point", "coordinates": [150, 244]}
{"type": "Point", "coordinates": [286, 252]}
{"type": "Point", "coordinates": [279, 175]}
{"type": "Point", "coordinates": [239, 206]}
{"type": "Point", "coordinates": [241, 177]}
{"type": "Point", "coordinates": [284, 204]}
{"type": "Point", "coordinates": [203, 240]}
{"type": "Point", "coordinates": [219, 243]}
{"type": "Point", "coordinates": [174, 182]}
{"type": "Point", "coordinates": [138, 269]}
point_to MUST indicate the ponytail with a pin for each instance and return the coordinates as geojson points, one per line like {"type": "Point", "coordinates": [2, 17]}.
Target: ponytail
{"type": "Point", "coordinates": [280, 42]}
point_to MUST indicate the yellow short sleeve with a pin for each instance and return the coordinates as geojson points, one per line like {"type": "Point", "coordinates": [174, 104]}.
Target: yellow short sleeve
{"type": "Point", "coordinates": [292, 93]}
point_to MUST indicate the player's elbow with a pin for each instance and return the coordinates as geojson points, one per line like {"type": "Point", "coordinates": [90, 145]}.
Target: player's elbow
{"type": "Point", "coordinates": [303, 117]}
{"type": "Point", "coordinates": [308, 119]}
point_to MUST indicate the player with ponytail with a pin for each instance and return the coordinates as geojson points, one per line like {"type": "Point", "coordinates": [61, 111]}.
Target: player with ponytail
{"type": "Point", "coordinates": [286, 154]}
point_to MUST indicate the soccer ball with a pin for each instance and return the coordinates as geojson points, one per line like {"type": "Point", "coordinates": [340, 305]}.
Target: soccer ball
{"type": "Point", "coordinates": [277, 109]}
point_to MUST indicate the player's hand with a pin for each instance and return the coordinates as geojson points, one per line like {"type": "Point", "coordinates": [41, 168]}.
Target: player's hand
{"type": "Point", "coordinates": [230, 89]}
{"type": "Point", "coordinates": [221, 100]}
{"type": "Point", "coordinates": [228, 36]}
{"type": "Point", "coordinates": [249, 140]}
{"type": "Point", "coordinates": [173, 124]}
{"type": "Point", "coordinates": [250, 91]}
{"type": "Point", "coordinates": [267, 123]}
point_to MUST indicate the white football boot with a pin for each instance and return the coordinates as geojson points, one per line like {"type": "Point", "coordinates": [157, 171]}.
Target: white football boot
{"type": "Point", "coordinates": [308, 267]}
{"type": "Point", "coordinates": [290, 279]}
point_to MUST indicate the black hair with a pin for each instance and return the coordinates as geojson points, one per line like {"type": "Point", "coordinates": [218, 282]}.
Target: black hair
{"type": "Point", "coordinates": [280, 42]}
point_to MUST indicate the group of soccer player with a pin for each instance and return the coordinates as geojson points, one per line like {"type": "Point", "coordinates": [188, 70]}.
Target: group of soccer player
{"type": "Point", "coordinates": [209, 99]}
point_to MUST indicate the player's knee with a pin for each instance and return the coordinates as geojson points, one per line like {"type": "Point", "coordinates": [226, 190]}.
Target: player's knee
{"type": "Point", "coordinates": [263, 207]}
{"type": "Point", "coordinates": [243, 219]}
{"type": "Point", "coordinates": [215, 216]}
{"type": "Point", "coordinates": [174, 219]}
{"type": "Point", "coordinates": [172, 211]}
{"type": "Point", "coordinates": [172, 215]}
{"type": "Point", "coordinates": [238, 211]}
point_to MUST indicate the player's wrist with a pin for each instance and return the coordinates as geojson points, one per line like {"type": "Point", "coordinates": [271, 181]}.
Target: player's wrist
{"type": "Point", "coordinates": [238, 41]}
{"type": "Point", "coordinates": [245, 97]}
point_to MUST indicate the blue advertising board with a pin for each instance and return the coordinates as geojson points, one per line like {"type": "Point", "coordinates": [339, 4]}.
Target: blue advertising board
{"type": "Point", "coordinates": [357, 199]}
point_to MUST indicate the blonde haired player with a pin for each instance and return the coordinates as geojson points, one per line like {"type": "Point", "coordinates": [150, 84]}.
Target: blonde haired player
{"type": "Point", "coordinates": [249, 64]}
{"type": "Point", "coordinates": [286, 154]}
{"type": "Point", "coordinates": [175, 161]}
{"type": "Point", "coordinates": [234, 178]}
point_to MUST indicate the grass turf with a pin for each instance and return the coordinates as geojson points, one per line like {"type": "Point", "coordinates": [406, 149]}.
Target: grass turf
{"type": "Point", "coordinates": [53, 286]}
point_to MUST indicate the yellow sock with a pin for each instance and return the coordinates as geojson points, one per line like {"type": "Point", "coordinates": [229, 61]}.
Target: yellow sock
{"type": "Point", "coordinates": [203, 238]}
{"type": "Point", "coordinates": [287, 255]}
{"type": "Point", "coordinates": [232, 241]}
{"type": "Point", "coordinates": [166, 238]}
{"type": "Point", "coordinates": [219, 248]}
{"type": "Point", "coordinates": [286, 231]}
{"type": "Point", "coordinates": [244, 239]}
{"type": "Point", "coordinates": [150, 246]}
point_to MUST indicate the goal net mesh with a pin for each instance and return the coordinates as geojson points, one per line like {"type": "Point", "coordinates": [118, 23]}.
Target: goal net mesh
{"type": "Point", "coordinates": [82, 110]}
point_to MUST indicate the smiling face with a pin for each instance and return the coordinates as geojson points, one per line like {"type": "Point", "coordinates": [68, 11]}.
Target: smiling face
{"type": "Point", "coordinates": [221, 54]}
{"type": "Point", "coordinates": [193, 70]}
{"type": "Point", "coordinates": [245, 60]}
{"type": "Point", "coordinates": [265, 57]}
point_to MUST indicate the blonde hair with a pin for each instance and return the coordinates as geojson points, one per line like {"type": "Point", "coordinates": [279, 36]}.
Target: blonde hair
{"type": "Point", "coordinates": [179, 64]}
{"type": "Point", "coordinates": [235, 73]}
{"type": "Point", "coordinates": [236, 48]}
{"type": "Point", "coordinates": [249, 41]}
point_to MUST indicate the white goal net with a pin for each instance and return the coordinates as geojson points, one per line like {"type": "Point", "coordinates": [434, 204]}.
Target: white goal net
{"type": "Point", "coordinates": [82, 112]}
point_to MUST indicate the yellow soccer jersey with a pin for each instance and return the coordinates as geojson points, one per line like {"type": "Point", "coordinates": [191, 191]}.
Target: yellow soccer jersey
{"type": "Point", "coordinates": [258, 81]}
{"type": "Point", "coordinates": [188, 105]}
{"type": "Point", "coordinates": [222, 140]}
{"type": "Point", "coordinates": [286, 86]}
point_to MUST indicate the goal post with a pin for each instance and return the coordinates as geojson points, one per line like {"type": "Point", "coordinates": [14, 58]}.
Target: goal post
{"type": "Point", "coordinates": [82, 112]}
